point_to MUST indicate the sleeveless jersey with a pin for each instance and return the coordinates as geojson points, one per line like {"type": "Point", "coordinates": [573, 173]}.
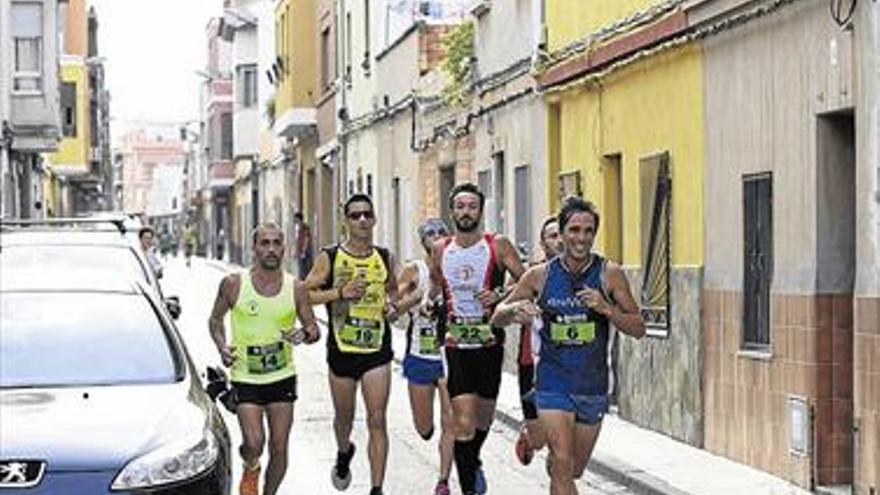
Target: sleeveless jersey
{"type": "Point", "coordinates": [422, 339]}
{"type": "Point", "coordinates": [466, 271]}
{"type": "Point", "coordinates": [359, 326]}
{"type": "Point", "coordinates": [575, 341]}
{"type": "Point", "coordinates": [262, 354]}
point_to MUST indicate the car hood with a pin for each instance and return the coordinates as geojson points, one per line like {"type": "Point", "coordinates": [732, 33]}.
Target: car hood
{"type": "Point", "coordinates": [96, 428]}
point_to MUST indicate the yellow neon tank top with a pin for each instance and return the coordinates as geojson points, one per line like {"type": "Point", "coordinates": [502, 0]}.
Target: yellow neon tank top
{"type": "Point", "coordinates": [262, 355]}
{"type": "Point", "coordinates": [361, 328]}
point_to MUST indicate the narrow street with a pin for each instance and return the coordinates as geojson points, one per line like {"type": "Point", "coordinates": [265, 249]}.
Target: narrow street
{"type": "Point", "coordinates": [412, 463]}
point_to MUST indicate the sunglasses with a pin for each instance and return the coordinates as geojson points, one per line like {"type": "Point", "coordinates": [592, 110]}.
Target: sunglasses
{"type": "Point", "coordinates": [358, 215]}
{"type": "Point", "coordinates": [434, 232]}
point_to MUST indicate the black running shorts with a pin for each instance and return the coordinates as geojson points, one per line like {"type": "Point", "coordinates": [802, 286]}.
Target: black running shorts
{"type": "Point", "coordinates": [354, 366]}
{"type": "Point", "coordinates": [474, 371]}
{"type": "Point", "coordinates": [280, 391]}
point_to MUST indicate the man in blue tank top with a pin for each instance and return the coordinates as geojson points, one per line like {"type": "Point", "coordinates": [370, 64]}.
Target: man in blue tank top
{"type": "Point", "coordinates": [578, 296]}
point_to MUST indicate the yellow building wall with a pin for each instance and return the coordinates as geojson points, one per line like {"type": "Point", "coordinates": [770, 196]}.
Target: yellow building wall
{"type": "Point", "coordinates": [73, 151]}
{"type": "Point", "coordinates": [295, 43]}
{"type": "Point", "coordinates": [649, 107]}
{"type": "Point", "coordinates": [571, 20]}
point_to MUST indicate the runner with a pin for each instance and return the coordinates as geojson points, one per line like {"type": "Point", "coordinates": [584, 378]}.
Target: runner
{"type": "Point", "coordinates": [470, 267]}
{"type": "Point", "coordinates": [578, 296]}
{"type": "Point", "coordinates": [531, 437]}
{"type": "Point", "coordinates": [422, 365]}
{"type": "Point", "coordinates": [357, 282]}
{"type": "Point", "coordinates": [264, 302]}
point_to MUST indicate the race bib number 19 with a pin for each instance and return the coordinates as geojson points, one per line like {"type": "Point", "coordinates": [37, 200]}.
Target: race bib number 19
{"type": "Point", "coordinates": [362, 334]}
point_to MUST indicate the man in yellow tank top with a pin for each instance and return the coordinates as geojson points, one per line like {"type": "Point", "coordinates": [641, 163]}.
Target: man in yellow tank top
{"type": "Point", "coordinates": [264, 302]}
{"type": "Point", "coordinates": [357, 281]}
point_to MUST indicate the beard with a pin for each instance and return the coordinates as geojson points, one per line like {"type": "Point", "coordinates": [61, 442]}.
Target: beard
{"type": "Point", "coordinates": [466, 224]}
{"type": "Point", "coordinates": [270, 263]}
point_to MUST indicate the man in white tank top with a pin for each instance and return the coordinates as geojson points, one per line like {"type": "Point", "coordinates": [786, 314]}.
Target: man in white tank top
{"type": "Point", "coordinates": [470, 268]}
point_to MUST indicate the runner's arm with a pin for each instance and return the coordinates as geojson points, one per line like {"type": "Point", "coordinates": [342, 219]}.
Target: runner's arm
{"type": "Point", "coordinates": [508, 256]}
{"type": "Point", "coordinates": [226, 295]}
{"type": "Point", "coordinates": [408, 288]}
{"type": "Point", "coordinates": [304, 311]}
{"type": "Point", "coordinates": [520, 302]}
{"type": "Point", "coordinates": [391, 286]}
{"type": "Point", "coordinates": [623, 312]}
{"type": "Point", "coordinates": [316, 280]}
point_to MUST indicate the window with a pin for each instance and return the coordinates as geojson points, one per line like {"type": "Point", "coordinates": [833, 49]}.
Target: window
{"type": "Point", "coordinates": [126, 345]}
{"type": "Point", "coordinates": [656, 192]}
{"type": "Point", "coordinates": [370, 185]}
{"type": "Point", "coordinates": [570, 184]}
{"type": "Point", "coordinates": [366, 63]}
{"type": "Point", "coordinates": [68, 109]}
{"type": "Point", "coordinates": [325, 58]}
{"type": "Point", "coordinates": [758, 259]}
{"type": "Point", "coordinates": [246, 85]}
{"type": "Point", "coordinates": [226, 136]}
{"type": "Point", "coordinates": [27, 46]}
{"type": "Point", "coordinates": [348, 48]}
{"type": "Point", "coordinates": [447, 182]}
{"type": "Point", "coordinates": [498, 193]}
{"type": "Point", "coordinates": [523, 208]}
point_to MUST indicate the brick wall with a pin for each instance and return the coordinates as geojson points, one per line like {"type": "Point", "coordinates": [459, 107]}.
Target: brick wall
{"type": "Point", "coordinates": [747, 398]}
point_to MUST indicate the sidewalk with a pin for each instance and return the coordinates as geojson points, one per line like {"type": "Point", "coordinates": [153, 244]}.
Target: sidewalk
{"type": "Point", "coordinates": [645, 462]}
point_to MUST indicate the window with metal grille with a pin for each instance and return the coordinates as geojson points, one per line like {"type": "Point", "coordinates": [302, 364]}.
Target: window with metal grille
{"type": "Point", "coordinates": [656, 194]}
{"type": "Point", "coordinates": [758, 260]}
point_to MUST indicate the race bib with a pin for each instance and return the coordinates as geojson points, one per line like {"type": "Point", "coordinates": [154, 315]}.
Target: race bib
{"type": "Point", "coordinates": [573, 333]}
{"type": "Point", "coordinates": [262, 359]}
{"type": "Point", "coordinates": [470, 335]}
{"type": "Point", "coordinates": [428, 342]}
{"type": "Point", "coordinates": [362, 334]}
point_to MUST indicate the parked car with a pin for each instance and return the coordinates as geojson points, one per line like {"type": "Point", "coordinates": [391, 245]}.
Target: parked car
{"type": "Point", "coordinates": [81, 246]}
{"type": "Point", "coordinates": [97, 391]}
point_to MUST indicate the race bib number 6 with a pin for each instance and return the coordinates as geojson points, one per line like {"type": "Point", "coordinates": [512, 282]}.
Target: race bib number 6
{"type": "Point", "coordinates": [581, 333]}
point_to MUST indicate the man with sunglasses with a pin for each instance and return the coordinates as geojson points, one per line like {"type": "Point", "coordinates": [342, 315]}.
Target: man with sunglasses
{"type": "Point", "coordinates": [578, 296]}
{"type": "Point", "coordinates": [470, 267]}
{"type": "Point", "coordinates": [357, 280]}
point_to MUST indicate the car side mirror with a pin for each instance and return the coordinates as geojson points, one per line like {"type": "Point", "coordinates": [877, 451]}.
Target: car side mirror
{"type": "Point", "coordinates": [173, 305]}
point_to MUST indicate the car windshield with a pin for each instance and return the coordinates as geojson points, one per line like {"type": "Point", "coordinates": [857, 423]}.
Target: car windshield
{"type": "Point", "coordinates": [21, 264]}
{"type": "Point", "coordinates": [86, 338]}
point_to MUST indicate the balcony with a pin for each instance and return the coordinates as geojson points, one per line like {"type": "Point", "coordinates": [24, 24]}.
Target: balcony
{"type": "Point", "coordinates": [297, 123]}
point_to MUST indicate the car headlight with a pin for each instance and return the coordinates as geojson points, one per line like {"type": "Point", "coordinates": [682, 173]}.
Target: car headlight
{"type": "Point", "coordinates": [177, 461]}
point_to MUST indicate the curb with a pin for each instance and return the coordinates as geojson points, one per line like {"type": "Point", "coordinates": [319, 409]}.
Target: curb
{"type": "Point", "coordinates": [633, 478]}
